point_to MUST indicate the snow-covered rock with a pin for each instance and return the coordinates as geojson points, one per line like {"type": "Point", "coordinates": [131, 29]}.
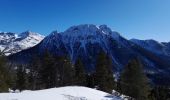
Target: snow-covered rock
{"type": "Point", "coordinates": [11, 42]}
{"type": "Point", "coordinates": [62, 93]}
{"type": "Point", "coordinates": [78, 40]}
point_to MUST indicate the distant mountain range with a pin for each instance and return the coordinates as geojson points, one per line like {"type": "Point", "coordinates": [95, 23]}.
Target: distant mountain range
{"type": "Point", "coordinates": [86, 41]}
{"type": "Point", "coordinates": [12, 43]}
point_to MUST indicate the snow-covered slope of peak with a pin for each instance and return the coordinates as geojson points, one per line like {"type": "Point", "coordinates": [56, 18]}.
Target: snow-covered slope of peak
{"type": "Point", "coordinates": [34, 35]}
{"type": "Point", "coordinates": [90, 29]}
{"type": "Point", "coordinates": [154, 46]}
{"type": "Point", "coordinates": [63, 93]}
{"type": "Point", "coordinates": [108, 31]}
{"type": "Point", "coordinates": [12, 42]}
{"type": "Point", "coordinates": [6, 37]}
{"type": "Point", "coordinates": [88, 33]}
{"type": "Point", "coordinates": [147, 42]}
{"type": "Point", "coordinates": [85, 40]}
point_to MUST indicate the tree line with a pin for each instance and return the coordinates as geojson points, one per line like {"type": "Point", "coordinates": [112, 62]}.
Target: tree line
{"type": "Point", "coordinates": [50, 71]}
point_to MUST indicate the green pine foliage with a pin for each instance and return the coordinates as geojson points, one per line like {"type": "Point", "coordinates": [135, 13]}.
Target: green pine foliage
{"type": "Point", "coordinates": [133, 81]}
{"type": "Point", "coordinates": [80, 75]}
{"type": "Point", "coordinates": [47, 71]}
{"type": "Point", "coordinates": [104, 74]}
{"type": "Point", "coordinates": [21, 78]}
{"type": "Point", "coordinates": [5, 78]}
{"type": "Point", "coordinates": [67, 72]}
{"type": "Point", "coordinates": [33, 77]}
{"type": "Point", "coordinates": [55, 71]}
{"type": "Point", "coordinates": [160, 93]}
{"type": "Point", "coordinates": [90, 80]}
{"type": "Point", "coordinates": [50, 71]}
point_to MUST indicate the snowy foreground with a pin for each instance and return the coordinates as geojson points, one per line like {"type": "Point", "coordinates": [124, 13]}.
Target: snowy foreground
{"type": "Point", "coordinates": [63, 93]}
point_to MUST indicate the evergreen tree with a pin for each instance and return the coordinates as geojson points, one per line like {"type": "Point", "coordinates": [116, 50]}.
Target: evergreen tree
{"type": "Point", "coordinates": [67, 72]}
{"type": "Point", "coordinates": [160, 93]}
{"type": "Point", "coordinates": [21, 78]}
{"type": "Point", "coordinates": [90, 80]}
{"type": "Point", "coordinates": [55, 71]}
{"type": "Point", "coordinates": [33, 82]}
{"type": "Point", "coordinates": [46, 71]}
{"type": "Point", "coordinates": [5, 78]}
{"type": "Point", "coordinates": [133, 81]}
{"type": "Point", "coordinates": [104, 74]}
{"type": "Point", "coordinates": [80, 75]}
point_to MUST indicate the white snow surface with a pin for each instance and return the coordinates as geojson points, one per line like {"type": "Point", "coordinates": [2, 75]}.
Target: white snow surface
{"type": "Point", "coordinates": [13, 43]}
{"type": "Point", "coordinates": [62, 93]}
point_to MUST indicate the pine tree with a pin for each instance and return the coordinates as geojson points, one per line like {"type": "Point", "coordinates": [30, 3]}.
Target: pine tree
{"type": "Point", "coordinates": [80, 75]}
{"type": "Point", "coordinates": [160, 93]}
{"type": "Point", "coordinates": [55, 71]}
{"type": "Point", "coordinates": [90, 80]}
{"type": "Point", "coordinates": [33, 82]}
{"type": "Point", "coordinates": [21, 78]}
{"type": "Point", "coordinates": [104, 73]}
{"type": "Point", "coordinates": [46, 71]}
{"type": "Point", "coordinates": [5, 78]}
{"type": "Point", "coordinates": [133, 81]}
{"type": "Point", "coordinates": [67, 72]}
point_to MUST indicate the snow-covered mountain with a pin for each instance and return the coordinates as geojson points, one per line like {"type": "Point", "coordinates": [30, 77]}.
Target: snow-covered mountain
{"type": "Point", "coordinates": [62, 93]}
{"type": "Point", "coordinates": [86, 41]}
{"type": "Point", "coordinates": [161, 48]}
{"type": "Point", "coordinates": [11, 42]}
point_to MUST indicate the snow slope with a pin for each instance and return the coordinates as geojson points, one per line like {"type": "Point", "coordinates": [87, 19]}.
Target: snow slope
{"type": "Point", "coordinates": [63, 93]}
{"type": "Point", "coordinates": [12, 42]}
{"type": "Point", "coordinates": [161, 48]}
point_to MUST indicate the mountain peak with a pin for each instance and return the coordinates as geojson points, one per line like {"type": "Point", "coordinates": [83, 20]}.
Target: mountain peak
{"type": "Point", "coordinates": [12, 42]}
{"type": "Point", "coordinates": [81, 27]}
{"type": "Point", "coordinates": [30, 34]}
{"type": "Point", "coordinates": [103, 26]}
{"type": "Point", "coordinates": [7, 33]}
{"type": "Point", "coordinates": [27, 33]}
{"type": "Point", "coordinates": [54, 32]}
{"type": "Point", "coordinates": [105, 29]}
{"type": "Point", "coordinates": [90, 29]}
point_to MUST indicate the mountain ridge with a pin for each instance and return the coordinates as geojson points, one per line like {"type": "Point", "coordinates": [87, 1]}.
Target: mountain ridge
{"type": "Point", "coordinates": [86, 41]}
{"type": "Point", "coordinates": [13, 42]}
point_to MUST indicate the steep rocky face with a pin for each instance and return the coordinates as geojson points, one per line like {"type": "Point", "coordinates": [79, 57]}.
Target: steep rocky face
{"type": "Point", "coordinates": [11, 42]}
{"type": "Point", "coordinates": [86, 41]}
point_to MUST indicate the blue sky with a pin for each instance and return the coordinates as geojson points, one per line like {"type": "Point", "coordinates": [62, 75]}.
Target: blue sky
{"type": "Point", "coordinates": [142, 19]}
